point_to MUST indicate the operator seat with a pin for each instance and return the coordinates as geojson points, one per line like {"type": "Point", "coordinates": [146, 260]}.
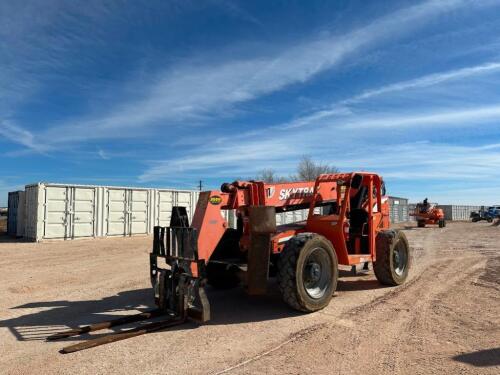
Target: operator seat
{"type": "Point", "coordinates": [358, 230]}
{"type": "Point", "coordinates": [358, 222]}
{"type": "Point", "coordinates": [358, 219]}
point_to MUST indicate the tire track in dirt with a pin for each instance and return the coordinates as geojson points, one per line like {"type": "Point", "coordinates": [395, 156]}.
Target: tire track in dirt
{"type": "Point", "coordinates": [389, 322]}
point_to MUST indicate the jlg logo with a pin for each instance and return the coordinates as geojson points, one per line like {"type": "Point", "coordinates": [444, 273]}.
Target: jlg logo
{"type": "Point", "coordinates": [296, 192]}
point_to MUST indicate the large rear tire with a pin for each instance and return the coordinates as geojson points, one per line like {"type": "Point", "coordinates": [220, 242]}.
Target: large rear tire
{"type": "Point", "coordinates": [393, 257]}
{"type": "Point", "coordinates": [308, 272]}
{"type": "Point", "coordinates": [421, 223]}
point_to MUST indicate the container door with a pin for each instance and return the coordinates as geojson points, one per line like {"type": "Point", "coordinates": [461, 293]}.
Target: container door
{"type": "Point", "coordinates": [82, 213]}
{"type": "Point", "coordinates": [165, 202]}
{"type": "Point", "coordinates": [56, 212]}
{"type": "Point", "coordinates": [12, 213]}
{"type": "Point", "coordinates": [138, 212]}
{"type": "Point", "coordinates": [31, 221]}
{"type": "Point", "coordinates": [117, 212]}
{"type": "Point", "coordinates": [21, 214]}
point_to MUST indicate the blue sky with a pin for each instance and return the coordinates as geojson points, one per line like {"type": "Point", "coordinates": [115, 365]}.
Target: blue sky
{"type": "Point", "coordinates": [165, 93]}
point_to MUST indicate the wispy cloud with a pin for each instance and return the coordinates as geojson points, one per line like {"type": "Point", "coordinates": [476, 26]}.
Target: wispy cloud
{"type": "Point", "coordinates": [103, 155]}
{"type": "Point", "coordinates": [451, 118]}
{"type": "Point", "coordinates": [21, 136]}
{"type": "Point", "coordinates": [426, 81]}
{"type": "Point", "coordinates": [341, 108]}
{"type": "Point", "coordinates": [276, 149]}
{"type": "Point", "coordinates": [191, 91]}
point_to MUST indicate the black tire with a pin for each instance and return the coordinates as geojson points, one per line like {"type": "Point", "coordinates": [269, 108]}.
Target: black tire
{"type": "Point", "coordinates": [489, 220]}
{"type": "Point", "coordinates": [308, 272]}
{"type": "Point", "coordinates": [393, 257]}
{"type": "Point", "coordinates": [441, 223]}
{"type": "Point", "coordinates": [421, 223]}
{"type": "Point", "coordinates": [223, 275]}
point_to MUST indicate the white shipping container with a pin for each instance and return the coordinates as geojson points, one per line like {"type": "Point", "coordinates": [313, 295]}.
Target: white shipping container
{"type": "Point", "coordinates": [166, 199]}
{"type": "Point", "coordinates": [127, 211]}
{"type": "Point", "coordinates": [55, 211]}
{"type": "Point", "coordinates": [458, 212]}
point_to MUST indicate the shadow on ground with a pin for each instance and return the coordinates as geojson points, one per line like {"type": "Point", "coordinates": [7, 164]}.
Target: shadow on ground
{"type": "Point", "coordinates": [481, 358]}
{"type": "Point", "coordinates": [227, 307]}
{"type": "Point", "coordinates": [8, 239]}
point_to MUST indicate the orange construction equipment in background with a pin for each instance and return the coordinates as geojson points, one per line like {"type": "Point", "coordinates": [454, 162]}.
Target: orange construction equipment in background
{"type": "Point", "coordinates": [428, 214]}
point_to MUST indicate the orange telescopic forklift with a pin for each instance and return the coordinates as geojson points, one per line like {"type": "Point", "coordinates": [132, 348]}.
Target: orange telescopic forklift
{"type": "Point", "coordinates": [352, 229]}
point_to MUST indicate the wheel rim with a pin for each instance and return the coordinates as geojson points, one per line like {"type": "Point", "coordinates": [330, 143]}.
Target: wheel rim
{"type": "Point", "coordinates": [399, 258]}
{"type": "Point", "coordinates": [317, 273]}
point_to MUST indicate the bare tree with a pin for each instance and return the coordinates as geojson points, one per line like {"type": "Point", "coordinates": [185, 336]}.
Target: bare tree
{"type": "Point", "coordinates": [308, 169]}
{"type": "Point", "coordinates": [269, 175]}
{"type": "Point", "coordinates": [266, 175]}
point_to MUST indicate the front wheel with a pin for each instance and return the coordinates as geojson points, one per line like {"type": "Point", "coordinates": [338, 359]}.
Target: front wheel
{"type": "Point", "coordinates": [421, 223]}
{"type": "Point", "coordinates": [393, 257]}
{"type": "Point", "coordinates": [308, 272]}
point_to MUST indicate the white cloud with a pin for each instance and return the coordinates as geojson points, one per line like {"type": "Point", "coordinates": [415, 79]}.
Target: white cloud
{"type": "Point", "coordinates": [103, 155]}
{"type": "Point", "coordinates": [193, 90]}
{"type": "Point", "coordinates": [340, 143]}
{"type": "Point", "coordinates": [450, 118]}
{"type": "Point", "coordinates": [341, 108]}
{"type": "Point", "coordinates": [21, 136]}
{"type": "Point", "coordinates": [426, 81]}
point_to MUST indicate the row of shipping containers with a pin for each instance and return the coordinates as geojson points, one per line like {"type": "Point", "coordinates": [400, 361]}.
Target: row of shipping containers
{"type": "Point", "coordinates": [59, 211]}
{"type": "Point", "coordinates": [457, 212]}
{"type": "Point", "coordinates": [400, 210]}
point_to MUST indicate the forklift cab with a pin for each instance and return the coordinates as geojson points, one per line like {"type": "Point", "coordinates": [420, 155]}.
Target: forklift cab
{"type": "Point", "coordinates": [356, 216]}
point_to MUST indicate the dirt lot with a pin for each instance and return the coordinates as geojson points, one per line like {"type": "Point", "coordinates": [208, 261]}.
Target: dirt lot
{"type": "Point", "coordinates": [446, 319]}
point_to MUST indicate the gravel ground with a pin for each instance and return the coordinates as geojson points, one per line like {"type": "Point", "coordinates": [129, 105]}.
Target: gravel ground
{"type": "Point", "coordinates": [446, 319]}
